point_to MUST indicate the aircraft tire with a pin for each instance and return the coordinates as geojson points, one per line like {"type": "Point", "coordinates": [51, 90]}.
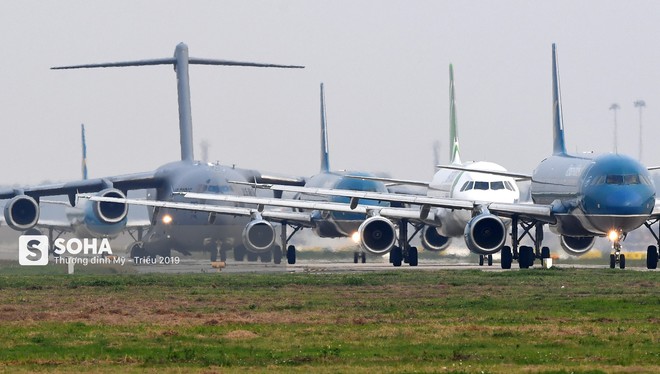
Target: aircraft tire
{"type": "Point", "coordinates": [277, 255]}
{"type": "Point", "coordinates": [481, 260]}
{"type": "Point", "coordinates": [490, 260]}
{"type": "Point", "coordinates": [251, 256]}
{"type": "Point", "coordinates": [526, 258]}
{"type": "Point", "coordinates": [622, 261]}
{"type": "Point", "coordinates": [266, 256]}
{"type": "Point", "coordinates": [413, 256]}
{"type": "Point", "coordinates": [507, 257]}
{"type": "Point", "coordinates": [239, 253]}
{"type": "Point", "coordinates": [612, 261]}
{"type": "Point", "coordinates": [545, 252]}
{"type": "Point", "coordinates": [291, 255]}
{"type": "Point", "coordinates": [223, 255]}
{"type": "Point", "coordinates": [214, 256]}
{"type": "Point", "coordinates": [652, 257]}
{"type": "Point", "coordinates": [137, 252]}
{"type": "Point", "coordinates": [356, 256]}
{"type": "Point", "coordinates": [363, 257]}
{"type": "Point", "coordinates": [396, 255]}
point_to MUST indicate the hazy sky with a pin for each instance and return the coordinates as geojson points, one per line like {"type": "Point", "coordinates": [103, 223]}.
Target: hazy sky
{"type": "Point", "coordinates": [384, 65]}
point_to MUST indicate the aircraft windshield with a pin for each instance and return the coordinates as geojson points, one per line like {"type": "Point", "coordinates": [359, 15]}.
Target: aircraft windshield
{"type": "Point", "coordinates": [483, 186]}
{"type": "Point", "coordinates": [621, 179]}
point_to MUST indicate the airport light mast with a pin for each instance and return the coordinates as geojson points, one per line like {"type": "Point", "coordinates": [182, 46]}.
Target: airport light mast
{"type": "Point", "coordinates": [614, 107]}
{"type": "Point", "coordinates": [641, 104]}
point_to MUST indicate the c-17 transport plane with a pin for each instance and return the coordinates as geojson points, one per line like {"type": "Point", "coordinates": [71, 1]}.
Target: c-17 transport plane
{"type": "Point", "coordinates": [579, 197]}
{"type": "Point", "coordinates": [182, 231]}
{"type": "Point", "coordinates": [328, 217]}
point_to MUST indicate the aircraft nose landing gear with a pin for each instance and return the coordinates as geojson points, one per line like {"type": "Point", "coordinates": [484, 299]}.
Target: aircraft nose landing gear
{"type": "Point", "coordinates": [617, 257]}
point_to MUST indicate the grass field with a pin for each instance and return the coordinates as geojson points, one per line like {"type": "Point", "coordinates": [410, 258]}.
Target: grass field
{"type": "Point", "coordinates": [574, 320]}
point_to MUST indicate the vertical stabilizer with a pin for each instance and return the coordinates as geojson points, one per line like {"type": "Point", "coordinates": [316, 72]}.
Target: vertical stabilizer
{"type": "Point", "coordinates": [180, 61]}
{"type": "Point", "coordinates": [325, 157]}
{"type": "Point", "coordinates": [454, 151]}
{"type": "Point", "coordinates": [84, 152]}
{"type": "Point", "coordinates": [559, 146]}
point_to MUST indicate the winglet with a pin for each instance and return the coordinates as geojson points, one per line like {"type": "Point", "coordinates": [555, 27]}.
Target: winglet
{"type": "Point", "coordinates": [325, 157]}
{"type": "Point", "coordinates": [454, 149]}
{"type": "Point", "coordinates": [180, 61]}
{"type": "Point", "coordinates": [559, 145]}
{"type": "Point", "coordinates": [84, 152]}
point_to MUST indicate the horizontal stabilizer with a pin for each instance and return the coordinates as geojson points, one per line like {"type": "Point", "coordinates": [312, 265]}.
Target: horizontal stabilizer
{"type": "Point", "coordinates": [172, 61]}
{"type": "Point", "coordinates": [391, 181]}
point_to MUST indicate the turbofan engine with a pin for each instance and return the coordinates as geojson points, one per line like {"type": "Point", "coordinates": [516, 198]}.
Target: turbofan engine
{"type": "Point", "coordinates": [577, 245]}
{"type": "Point", "coordinates": [22, 212]}
{"type": "Point", "coordinates": [107, 212]}
{"type": "Point", "coordinates": [485, 234]}
{"type": "Point", "coordinates": [258, 236]}
{"type": "Point", "coordinates": [433, 241]}
{"type": "Point", "coordinates": [377, 235]}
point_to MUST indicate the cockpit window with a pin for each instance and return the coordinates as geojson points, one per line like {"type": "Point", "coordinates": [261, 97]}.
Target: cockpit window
{"type": "Point", "coordinates": [620, 179]}
{"type": "Point", "coordinates": [496, 186]}
{"type": "Point", "coordinates": [481, 186]}
{"type": "Point", "coordinates": [509, 186]}
{"type": "Point", "coordinates": [464, 186]}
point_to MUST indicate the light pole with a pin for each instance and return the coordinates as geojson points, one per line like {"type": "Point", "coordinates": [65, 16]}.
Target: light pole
{"type": "Point", "coordinates": [614, 107]}
{"type": "Point", "coordinates": [641, 104]}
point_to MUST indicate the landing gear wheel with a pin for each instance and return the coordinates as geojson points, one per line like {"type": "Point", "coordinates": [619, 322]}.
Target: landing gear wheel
{"type": "Point", "coordinates": [526, 258]}
{"type": "Point", "coordinates": [356, 257]}
{"type": "Point", "coordinates": [481, 260]}
{"type": "Point", "coordinates": [239, 253]}
{"type": "Point", "coordinates": [652, 257]}
{"type": "Point", "coordinates": [545, 252]}
{"type": "Point", "coordinates": [396, 256]}
{"type": "Point", "coordinates": [612, 261]}
{"type": "Point", "coordinates": [622, 261]}
{"type": "Point", "coordinates": [507, 257]}
{"type": "Point", "coordinates": [266, 256]}
{"type": "Point", "coordinates": [277, 255]}
{"type": "Point", "coordinates": [223, 255]}
{"type": "Point", "coordinates": [413, 256]}
{"type": "Point", "coordinates": [363, 257]}
{"type": "Point", "coordinates": [251, 256]}
{"type": "Point", "coordinates": [137, 252]}
{"type": "Point", "coordinates": [214, 256]}
{"type": "Point", "coordinates": [490, 260]}
{"type": "Point", "coordinates": [291, 255]}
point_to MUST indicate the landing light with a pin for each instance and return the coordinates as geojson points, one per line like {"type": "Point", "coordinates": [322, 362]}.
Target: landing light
{"type": "Point", "coordinates": [356, 237]}
{"type": "Point", "coordinates": [167, 219]}
{"type": "Point", "coordinates": [613, 235]}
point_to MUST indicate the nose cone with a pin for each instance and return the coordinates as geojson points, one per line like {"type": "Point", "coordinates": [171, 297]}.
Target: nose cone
{"type": "Point", "coordinates": [619, 207]}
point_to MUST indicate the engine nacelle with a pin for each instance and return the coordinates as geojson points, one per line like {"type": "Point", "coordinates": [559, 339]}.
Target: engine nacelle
{"type": "Point", "coordinates": [377, 235]}
{"type": "Point", "coordinates": [577, 245]}
{"type": "Point", "coordinates": [22, 212]}
{"type": "Point", "coordinates": [258, 236]}
{"type": "Point", "coordinates": [110, 213]}
{"type": "Point", "coordinates": [433, 241]}
{"type": "Point", "coordinates": [485, 234]}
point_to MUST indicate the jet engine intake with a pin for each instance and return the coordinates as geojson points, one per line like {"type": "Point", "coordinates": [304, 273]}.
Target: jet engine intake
{"type": "Point", "coordinates": [485, 234]}
{"type": "Point", "coordinates": [377, 235]}
{"type": "Point", "coordinates": [22, 212]}
{"type": "Point", "coordinates": [258, 236]}
{"type": "Point", "coordinates": [433, 241]}
{"type": "Point", "coordinates": [577, 245]}
{"type": "Point", "coordinates": [107, 212]}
